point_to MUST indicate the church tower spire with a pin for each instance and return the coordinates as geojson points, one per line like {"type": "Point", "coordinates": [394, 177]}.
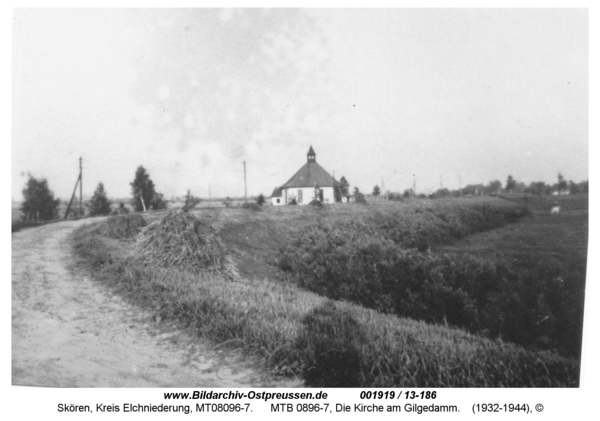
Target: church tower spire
{"type": "Point", "coordinates": [311, 155]}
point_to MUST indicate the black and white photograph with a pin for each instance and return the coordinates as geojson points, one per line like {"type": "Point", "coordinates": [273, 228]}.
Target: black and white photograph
{"type": "Point", "coordinates": [299, 198]}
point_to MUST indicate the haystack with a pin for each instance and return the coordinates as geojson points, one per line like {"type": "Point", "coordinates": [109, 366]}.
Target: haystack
{"type": "Point", "coordinates": [181, 240]}
{"type": "Point", "coordinates": [123, 226]}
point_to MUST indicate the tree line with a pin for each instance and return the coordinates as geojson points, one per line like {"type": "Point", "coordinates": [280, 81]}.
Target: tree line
{"type": "Point", "coordinates": [495, 187]}
{"type": "Point", "coordinates": [39, 203]}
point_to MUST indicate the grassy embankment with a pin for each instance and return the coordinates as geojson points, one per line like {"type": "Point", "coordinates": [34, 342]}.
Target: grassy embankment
{"type": "Point", "coordinates": [551, 250]}
{"type": "Point", "coordinates": [532, 296]}
{"type": "Point", "coordinates": [328, 343]}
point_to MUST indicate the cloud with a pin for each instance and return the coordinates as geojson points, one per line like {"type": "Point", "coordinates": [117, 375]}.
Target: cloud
{"type": "Point", "coordinates": [191, 93]}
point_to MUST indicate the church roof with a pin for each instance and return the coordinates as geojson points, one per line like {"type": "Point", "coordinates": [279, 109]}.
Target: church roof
{"type": "Point", "coordinates": [310, 174]}
{"type": "Point", "coordinates": [276, 192]}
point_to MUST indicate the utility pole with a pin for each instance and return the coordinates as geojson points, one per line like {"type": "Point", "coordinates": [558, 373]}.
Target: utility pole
{"type": "Point", "coordinates": [209, 197]}
{"type": "Point", "coordinates": [245, 188]}
{"type": "Point", "coordinates": [80, 188]}
{"type": "Point", "coordinates": [72, 196]}
{"type": "Point", "coordinates": [414, 184]}
{"type": "Point", "coordinates": [78, 182]}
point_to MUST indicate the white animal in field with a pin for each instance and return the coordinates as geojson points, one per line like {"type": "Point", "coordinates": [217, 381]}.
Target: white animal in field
{"type": "Point", "coordinates": [555, 209]}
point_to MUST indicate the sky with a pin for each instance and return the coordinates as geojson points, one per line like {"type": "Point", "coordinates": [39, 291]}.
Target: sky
{"type": "Point", "coordinates": [393, 97]}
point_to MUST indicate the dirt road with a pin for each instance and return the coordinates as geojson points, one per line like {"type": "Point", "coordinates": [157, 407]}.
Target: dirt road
{"type": "Point", "coordinates": [69, 331]}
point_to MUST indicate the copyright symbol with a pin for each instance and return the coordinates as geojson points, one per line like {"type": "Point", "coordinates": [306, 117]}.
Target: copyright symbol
{"type": "Point", "coordinates": [539, 407]}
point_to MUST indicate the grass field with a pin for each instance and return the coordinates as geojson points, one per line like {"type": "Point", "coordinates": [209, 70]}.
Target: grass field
{"type": "Point", "coordinates": [563, 236]}
{"type": "Point", "coordinates": [334, 343]}
{"type": "Point", "coordinates": [552, 246]}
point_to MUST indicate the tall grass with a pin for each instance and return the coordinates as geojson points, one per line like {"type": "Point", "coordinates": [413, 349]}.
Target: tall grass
{"type": "Point", "coordinates": [376, 350]}
{"type": "Point", "coordinates": [327, 343]}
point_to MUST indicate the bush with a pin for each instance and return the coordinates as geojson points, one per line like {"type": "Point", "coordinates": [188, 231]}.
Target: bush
{"type": "Point", "coordinates": [123, 227]}
{"type": "Point", "coordinates": [316, 203]}
{"type": "Point", "coordinates": [120, 210]}
{"type": "Point", "coordinates": [252, 206]}
{"type": "Point", "coordinates": [331, 340]}
{"type": "Point", "coordinates": [360, 199]}
{"type": "Point", "coordinates": [260, 200]}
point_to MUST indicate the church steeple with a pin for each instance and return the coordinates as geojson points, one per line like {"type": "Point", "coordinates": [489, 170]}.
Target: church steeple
{"type": "Point", "coordinates": [311, 155]}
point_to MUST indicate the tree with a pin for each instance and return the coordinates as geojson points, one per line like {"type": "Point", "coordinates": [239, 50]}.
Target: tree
{"type": "Point", "coordinates": [395, 196]}
{"type": "Point", "coordinates": [494, 187]}
{"type": "Point", "coordinates": [158, 202]}
{"type": "Point", "coordinates": [473, 189]}
{"type": "Point", "coordinates": [562, 183]}
{"type": "Point", "coordinates": [376, 191]}
{"type": "Point", "coordinates": [144, 195]}
{"type": "Point", "coordinates": [359, 197]}
{"type": "Point", "coordinates": [520, 187]}
{"type": "Point", "coordinates": [337, 194]}
{"type": "Point", "coordinates": [39, 203]}
{"type": "Point", "coordinates": [510, 184]}
{"type": "Point", "coordinates": [340, 189]}
{"type": "Point", "coordinates": [344, 186]}
{"type": "Point", "coordinates": [260, 199]}
{"type": "Point", "coordinates": [574, 188]}
{"type": "Point", "coordinates": [190, 201]}
{"type": "Point", "coordinates": [99, 204]}
{"type": "Point", "coordinates": [441, 193]}
{"type": "Point", "coordinates": [537, 187]}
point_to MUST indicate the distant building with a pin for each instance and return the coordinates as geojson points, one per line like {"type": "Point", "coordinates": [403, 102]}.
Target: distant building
{"type": "Point", "coordinates": [309, 183]}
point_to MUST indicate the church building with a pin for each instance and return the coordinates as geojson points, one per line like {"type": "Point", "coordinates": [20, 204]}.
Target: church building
{"type": "Point", "coordinates": [310, 182]}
